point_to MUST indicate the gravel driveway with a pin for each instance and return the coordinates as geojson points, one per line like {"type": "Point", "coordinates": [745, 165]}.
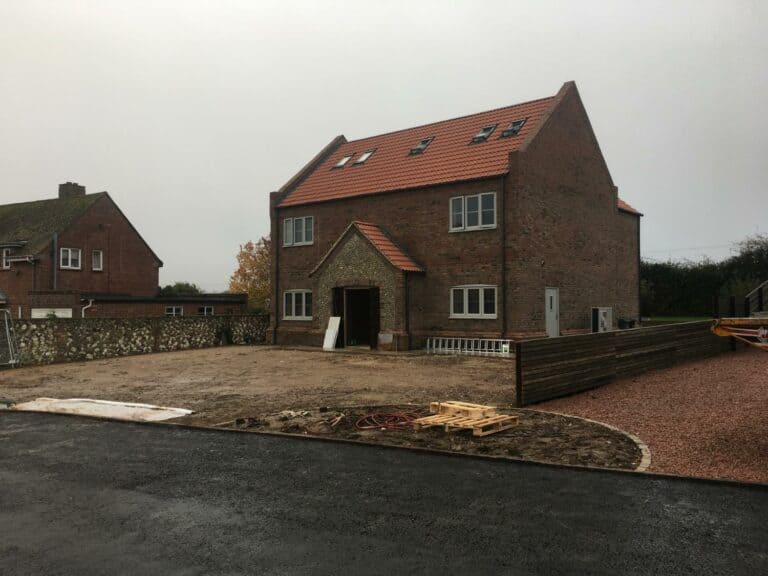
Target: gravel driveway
{"type": "Point", "coordinates": [704, 418]}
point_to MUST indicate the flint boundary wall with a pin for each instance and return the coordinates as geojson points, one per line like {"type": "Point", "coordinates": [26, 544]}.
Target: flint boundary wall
{"type": "Point", "coordinates": [54, 340]}
{"type": "Point", "coordinates": [553, 367]}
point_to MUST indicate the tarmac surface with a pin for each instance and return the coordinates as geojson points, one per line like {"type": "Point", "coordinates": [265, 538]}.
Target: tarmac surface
{"type": "Point", "coordinates": [84, 496]}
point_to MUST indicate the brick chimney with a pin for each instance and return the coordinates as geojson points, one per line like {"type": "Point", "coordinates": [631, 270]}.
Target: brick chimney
{"type": "Point", "coordinates": [70, 190]}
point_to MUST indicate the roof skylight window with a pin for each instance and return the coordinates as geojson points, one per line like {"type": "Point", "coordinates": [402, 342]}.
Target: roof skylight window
{"type": "Point", "coordinates": [513, 128]}
{"type": "Point", "coordinates": [341, 163]}
{"type": "Point", "coordinates": [482, 136]}
{"type": "Point", "coordinates": [364, 156]}
{"type": "Point", "coordinates": [421, 146]}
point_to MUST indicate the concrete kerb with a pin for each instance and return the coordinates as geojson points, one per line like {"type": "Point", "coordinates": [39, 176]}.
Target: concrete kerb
{"type": "Point", "coordinates": [645, 461]}
{"type": "Point", "coordinates": [433, 451]}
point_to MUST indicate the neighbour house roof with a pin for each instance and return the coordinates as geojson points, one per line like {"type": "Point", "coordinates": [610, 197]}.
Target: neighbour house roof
{"type": "Point", "coordinates": [382, 242]}
{"type": "Point", "coordinates": [428, 155]}
{"type": "Point", "coordinates": [34, 223]}
{"type": "Point", "coordinates": [31, 225]}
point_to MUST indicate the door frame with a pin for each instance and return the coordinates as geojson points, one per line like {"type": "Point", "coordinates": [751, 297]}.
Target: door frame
{"type": "Point", "coordinates": [554, 291]}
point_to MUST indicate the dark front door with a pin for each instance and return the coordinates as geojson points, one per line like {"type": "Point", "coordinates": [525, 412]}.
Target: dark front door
{"type": "Point", "coordinates": [357, 319]}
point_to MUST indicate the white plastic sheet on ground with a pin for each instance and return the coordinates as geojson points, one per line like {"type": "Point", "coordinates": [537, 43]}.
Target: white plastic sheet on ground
{"type": "Point", "coordinates": [102, 409]}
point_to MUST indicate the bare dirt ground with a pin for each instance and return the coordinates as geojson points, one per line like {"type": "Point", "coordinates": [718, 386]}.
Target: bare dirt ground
{"type": "Point", "coordinates": [705, 418]}
{"type": "Point", "coordinates": [225, 383]}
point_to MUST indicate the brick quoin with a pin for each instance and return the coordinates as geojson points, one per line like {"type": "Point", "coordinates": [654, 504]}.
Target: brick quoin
{"type": "Point", "coordinates": [558, 225]}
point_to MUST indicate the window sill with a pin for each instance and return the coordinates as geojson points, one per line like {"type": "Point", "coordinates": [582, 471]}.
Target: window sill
{"type": "Point", "coordinates": [473, 229]}
{"type": "Point", "coordinates": [298, 244]}
{"type": "Point", "coordinates": [473, 317]}
{"type": "Point", "coordinates": [68, 268]}
{"type": "Point", "coordinates": [297, 318]}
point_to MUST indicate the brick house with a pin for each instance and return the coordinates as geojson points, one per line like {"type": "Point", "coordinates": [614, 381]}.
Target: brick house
{"type": "Point", "coordinates": [78, 255]}
{"type": "Point", "coordinates": [502, 224]}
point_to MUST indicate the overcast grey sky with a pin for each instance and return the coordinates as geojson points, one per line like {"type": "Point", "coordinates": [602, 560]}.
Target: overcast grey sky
{"type": "Point", "coordinates": [189, 113]}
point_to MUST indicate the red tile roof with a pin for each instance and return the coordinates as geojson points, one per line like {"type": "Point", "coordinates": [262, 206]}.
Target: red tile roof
{"type": "Point", "coordinates": [449, 157]}
{"type": "Point", "coordinates": [382, 242]}
{"type": "Point", "coordinates": [627, 208]}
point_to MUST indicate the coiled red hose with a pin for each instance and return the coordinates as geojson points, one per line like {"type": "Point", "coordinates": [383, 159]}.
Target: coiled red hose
{"type": "Point", "coordinates": [386, 420]}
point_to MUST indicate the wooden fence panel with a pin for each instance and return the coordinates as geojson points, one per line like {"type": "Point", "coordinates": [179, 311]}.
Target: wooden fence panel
{"type": "Point", "coordinates": [551, 367]}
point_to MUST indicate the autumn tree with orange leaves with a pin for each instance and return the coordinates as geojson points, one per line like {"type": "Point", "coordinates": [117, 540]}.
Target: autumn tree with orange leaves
{"type": "Point", "coordinates": [252, 276]}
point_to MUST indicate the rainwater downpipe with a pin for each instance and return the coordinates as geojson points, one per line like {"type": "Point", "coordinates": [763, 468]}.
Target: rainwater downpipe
{"type": "Point", "coordinates": [54, 259]}
{"type": "Point", "coordinates": [84, 308]}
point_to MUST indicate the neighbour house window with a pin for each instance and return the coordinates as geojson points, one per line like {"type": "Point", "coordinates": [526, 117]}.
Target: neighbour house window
{"type": "Point", "coordinates": [174, 311]}
{"type": "Point", "coordinates": [364, 156]}
{"type": "Point", "coordinates": [205, 311]}
{"type": "Point", "coordinates": [341, 163]}
{"type": "Point", "coordinates": [477, 301]}
{"type": "Point", "coordinates": [69, 259]}
{"type": "Point", "coordinates": [6, 258]}
{"type": "Point", "coordinates": [97, 261]}
{"type": "Point", "coordinates": [513, 128]}
{"type": "Point", "coordinates": [482, 136]}
{"type": "Point", "coordinates": [473, 212]}
{"type": "Point", "coordinates": [298, 231]}
{"type": "Point", "coordinates": [297, 305]}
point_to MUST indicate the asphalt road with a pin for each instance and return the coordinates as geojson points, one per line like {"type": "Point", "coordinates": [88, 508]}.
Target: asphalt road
{"type": "Point", "coordinates": [81, 496]}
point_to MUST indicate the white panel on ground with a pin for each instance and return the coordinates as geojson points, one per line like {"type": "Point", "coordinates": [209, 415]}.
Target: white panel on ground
{"type": "Point", "coordinates": [332, 333]}
{"type": "Point", "coordinates": [102, 409]}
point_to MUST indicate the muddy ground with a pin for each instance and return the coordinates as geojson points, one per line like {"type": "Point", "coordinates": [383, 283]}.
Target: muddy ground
{"type": "Point", "coordinates": [539, 436]}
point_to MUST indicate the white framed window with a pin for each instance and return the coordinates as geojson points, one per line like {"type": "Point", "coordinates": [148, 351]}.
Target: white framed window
{"type": "Point", "coordinates": [205, 310]}
{"type": "Point", "coordinates": [476, 212]}
{"type": "Point", "coordinates": [97, 260]}
{"type": "Point", "coordinates": [343, 161]}
{"type": "Point", "coordinates": [174, 310]}
{"type": "Point", "coordinates": [473, 301]}
{"type": "Point", "coordinates": [6, 258]}
{"type": "Point", "coordinates": [364, 156]}
{"type": "Point", "coordinates": [297, 305]}
{"type": "Point", "coordinates": [69, 258]}
{"type": "Point", "coordinates": [298, 231]}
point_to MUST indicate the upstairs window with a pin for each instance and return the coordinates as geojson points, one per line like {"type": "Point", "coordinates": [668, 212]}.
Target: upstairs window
{"type": "Point", "coordinates": [476, 301]}
{"type": "Point", "coordinates": [6, 258]}
{"type": "Point", "coordinates": [174, 311]}
{"type": "Point", "coordinates": [69, 259]}
{"type": "Point", "coordinates": [476, 212]}
{"type": "Point", "coordinates": [483, 135]}
{"type": "Point", "coordinates": [298, 231]}
{"type": "Point", "coordinates": [341, 163]}
{"type": "Point", "coordinates": [205, 310]}
{"type": "Point", "coordinates": [421, 146]}
{"type": "Point", "coordinates": [513, 128]}
{"type": "Point", "coordinates": [364, 156]}
{"type": "Point", "coordinates": [97, 261]}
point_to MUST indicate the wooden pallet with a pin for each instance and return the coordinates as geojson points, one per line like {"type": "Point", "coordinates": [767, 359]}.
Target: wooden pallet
{"type": "Point", "coordinates": [449, 416]}
{"type": "Point", "coordinates": [455, 408]}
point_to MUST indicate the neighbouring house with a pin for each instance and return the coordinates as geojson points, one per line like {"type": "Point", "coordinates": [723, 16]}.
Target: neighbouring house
{"type": "Point", "coordinates": [502, 224]}
{"type": "Point", "coordinates": [78, 255]}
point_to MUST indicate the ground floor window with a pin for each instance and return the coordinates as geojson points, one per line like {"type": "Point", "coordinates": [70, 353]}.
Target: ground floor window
{"type": "Point", "coordinates": [205, 311]}
{"type": "Point", "coordinates": [174, 311]}
{"type": "Point", "coordinates": [297, 305]}
{"type": "Point", "coordinates": [475, 301]}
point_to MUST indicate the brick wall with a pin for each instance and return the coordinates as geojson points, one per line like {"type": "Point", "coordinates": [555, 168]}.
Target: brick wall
{"type": "Point", "coordinates": [71, 340]}
{"type": "Point", "coordinates": [565, 231]}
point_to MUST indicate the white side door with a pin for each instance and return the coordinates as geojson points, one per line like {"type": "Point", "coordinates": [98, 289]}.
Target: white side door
{"type": "Point", "coordinates": [552, 311]}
